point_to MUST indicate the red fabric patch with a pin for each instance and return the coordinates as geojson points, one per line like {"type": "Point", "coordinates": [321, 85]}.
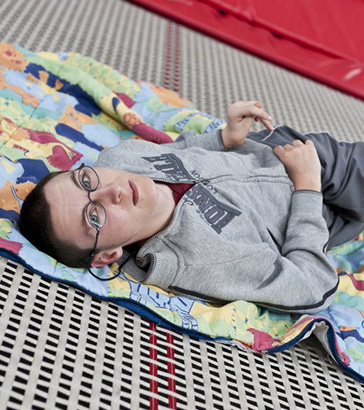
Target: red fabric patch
{"type": "Point", "coordinates": [178, 190]}
{"type": "Point", "coordinates": [11, 246]}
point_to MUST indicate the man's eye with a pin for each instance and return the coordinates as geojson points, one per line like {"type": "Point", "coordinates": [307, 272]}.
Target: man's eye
{"type": "Point", "coordinates": [94, 218]}
{"type": "Point", "coordinates": [86, 183]}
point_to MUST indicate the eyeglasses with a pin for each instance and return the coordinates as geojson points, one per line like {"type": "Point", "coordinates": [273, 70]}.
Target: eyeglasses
{"type": "Point", "coordinates": [95, 213]}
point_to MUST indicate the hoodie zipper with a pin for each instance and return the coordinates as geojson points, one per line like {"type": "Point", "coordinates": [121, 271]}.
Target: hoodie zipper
{"type": "Point", "coordinates": [152, 264]}
{"type": "Point", "coordinates": [195, 182]}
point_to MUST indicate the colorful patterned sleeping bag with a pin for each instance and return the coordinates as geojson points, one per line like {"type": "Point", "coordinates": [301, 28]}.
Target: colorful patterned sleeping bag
{"type": "Point", "coordinates": [58, 110]}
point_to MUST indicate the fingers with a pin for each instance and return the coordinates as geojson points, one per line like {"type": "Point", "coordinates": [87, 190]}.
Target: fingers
{"type": "Point", "coordinates": [268, 124]}
{"type": "Point", "coordinates": [264, 118]}
{"type": "Point", "coordinates": [280, 150]}
{"type": "Point", "coordinates": [249, 109]}
{"type": "Point", "coordinates": [254, 111]}
{"type": "Point", "coordinates": [295, 143]}
{"type": "Point", "coordinates": [261, 115]}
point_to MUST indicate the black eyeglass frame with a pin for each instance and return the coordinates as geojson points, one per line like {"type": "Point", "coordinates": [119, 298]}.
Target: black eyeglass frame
{"type": "Point", "coordinates": [93, 252]}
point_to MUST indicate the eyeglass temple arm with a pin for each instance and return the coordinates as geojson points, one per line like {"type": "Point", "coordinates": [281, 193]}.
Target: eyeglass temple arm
{"type": "Point", "coordinates": [132, 254]}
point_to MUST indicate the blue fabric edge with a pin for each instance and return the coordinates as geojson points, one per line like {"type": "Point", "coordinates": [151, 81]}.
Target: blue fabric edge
{"type": "Point", "coordinates": [155, 318]}
{"type": "Point", "coordinates": [131, 305]}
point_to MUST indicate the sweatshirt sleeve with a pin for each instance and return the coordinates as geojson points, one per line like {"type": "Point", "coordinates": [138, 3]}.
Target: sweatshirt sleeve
{"type": "Point", "coordinates": [303, 273]}
{"type": "Point", "coordinates": [211, 141]}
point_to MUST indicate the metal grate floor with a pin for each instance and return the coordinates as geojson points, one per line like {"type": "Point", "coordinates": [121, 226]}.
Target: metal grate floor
{"type": "Point", "coordinates": [61, 348]}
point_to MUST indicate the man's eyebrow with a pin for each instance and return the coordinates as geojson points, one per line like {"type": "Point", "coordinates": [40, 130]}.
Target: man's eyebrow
{"type": "Point", "coordinates": [74, 178]}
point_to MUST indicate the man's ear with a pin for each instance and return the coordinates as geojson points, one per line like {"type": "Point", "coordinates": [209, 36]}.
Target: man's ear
{"type": "Point", "coordinates": [106, 257]}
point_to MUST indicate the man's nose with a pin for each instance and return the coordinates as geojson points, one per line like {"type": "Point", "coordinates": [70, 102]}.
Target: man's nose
{"type": "Point", "coordinates": [111, 193]}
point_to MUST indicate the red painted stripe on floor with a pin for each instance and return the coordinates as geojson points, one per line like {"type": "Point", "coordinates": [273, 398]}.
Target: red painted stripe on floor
{"type": "Point", "coordinates": [167, 64]}
{"type": "Point", "coordinates": [153, 368]}
{"type": "Point", "coordinates": [172, 402]}
{"type": "Point", "coordinates": [176, 59]}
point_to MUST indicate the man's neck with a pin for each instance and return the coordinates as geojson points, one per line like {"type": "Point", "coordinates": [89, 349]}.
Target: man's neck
{"type": "Point", "coordinates": [167, 206]}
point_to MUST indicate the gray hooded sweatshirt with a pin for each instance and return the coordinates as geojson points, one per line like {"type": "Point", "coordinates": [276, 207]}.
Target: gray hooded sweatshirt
{"type": "Point", "coordinates": [240, 233]}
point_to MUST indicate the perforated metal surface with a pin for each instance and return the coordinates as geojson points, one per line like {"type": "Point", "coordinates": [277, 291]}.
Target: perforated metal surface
{"type": "Point", "coordinates": [60, 348]}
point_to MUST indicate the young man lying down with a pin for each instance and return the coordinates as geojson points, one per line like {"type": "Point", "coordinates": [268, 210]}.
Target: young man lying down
{"type": "Point", "coordinates": [228, 215]}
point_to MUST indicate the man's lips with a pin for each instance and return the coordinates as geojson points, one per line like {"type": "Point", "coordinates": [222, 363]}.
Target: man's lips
{"type": "Point", "coordinates": [135, 193]}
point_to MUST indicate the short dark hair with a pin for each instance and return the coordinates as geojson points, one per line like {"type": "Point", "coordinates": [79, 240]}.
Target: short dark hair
{"type": "Point", "coordinates": [36, 225]}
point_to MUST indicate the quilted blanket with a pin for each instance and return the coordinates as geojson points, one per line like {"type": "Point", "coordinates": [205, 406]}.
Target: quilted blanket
{"type": "Point", "coordinates": [58, 110]}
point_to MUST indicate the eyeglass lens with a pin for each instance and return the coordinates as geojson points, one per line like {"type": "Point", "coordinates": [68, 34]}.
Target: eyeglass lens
{"type": "Point", "coordinates": [95, 212]}
{"type": "Point", "coordinates": [88, 178]}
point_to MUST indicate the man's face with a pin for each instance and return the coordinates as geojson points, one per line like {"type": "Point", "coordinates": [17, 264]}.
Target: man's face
{"type": "Point", "coordinates": [132, 203]}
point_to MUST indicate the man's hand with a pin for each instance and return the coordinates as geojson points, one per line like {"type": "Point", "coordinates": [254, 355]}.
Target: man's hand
{"type": "Point", "coordinates": [240, 118]}
{"type": "Point", "coordinates": [302, 164]}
